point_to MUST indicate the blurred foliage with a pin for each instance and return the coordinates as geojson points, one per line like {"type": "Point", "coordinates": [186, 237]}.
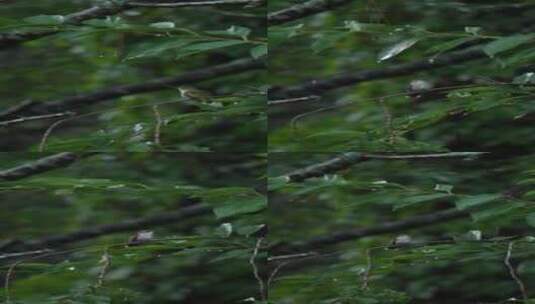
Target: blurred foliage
{"type": "Point", "coordinates": [478, 105]}
{"type": "Point", "coordinates": [455, 107]}
{"type": "Point", "coordinates": [135, 46]}
{"type": "Point", "coordinates": [483, 256]}
{"type": "Point", "coordinates": [446, 268]}
{"type": "Point", "coordinates": [182, 262]}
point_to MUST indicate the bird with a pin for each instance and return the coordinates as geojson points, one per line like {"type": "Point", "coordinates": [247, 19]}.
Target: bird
{"type": "Point", "coordinates": [198, 96]}
{"type": "Point", "coordinates": [140, 238]}
{"type": "Point", "coordinates": [194, 94]}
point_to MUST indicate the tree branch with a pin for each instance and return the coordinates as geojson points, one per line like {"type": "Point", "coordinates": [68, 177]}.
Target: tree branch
{"type": "Point", "coordinates": [293, 100]}
{"type": "Point", "coordinates": [349, 159]}
{"type": "Point", "coordinates": [389, 227]}
{"type": "Point", "coordinates": [97, 231]}
{"type": "Point", "coordinates": [189, 3]}
{"type": "Point", "coordinates": [13, 39]}
{"type": "Point", "coordinates": [237, 66]}
{"type": "Point", "coordinates": [95, 12]}
{"type": "Point", "coordinates": [34, 118]}
{"type": "Point", "coordinates": [42, 165]}
{"type": "Point", "coordinates": [317, 87]}
{"type": "Point", "coordinates": [303, 10]}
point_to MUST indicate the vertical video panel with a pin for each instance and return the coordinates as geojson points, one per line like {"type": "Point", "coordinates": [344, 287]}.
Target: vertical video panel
{"type": "Point", "coordinates": [132, 228]}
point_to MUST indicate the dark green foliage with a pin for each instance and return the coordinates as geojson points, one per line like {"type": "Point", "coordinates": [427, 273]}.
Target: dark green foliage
{"type": "Point", "coordinates": [398, 166]}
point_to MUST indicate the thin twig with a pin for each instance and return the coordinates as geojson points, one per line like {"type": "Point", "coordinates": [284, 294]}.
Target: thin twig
{"type": "Point", "coordinates": [275, 272]}
{"type": "Point", "coordinates": [32, 118]}
{"type": "Point", "coordinates": [158, 127]}
{"type": "Point", "coordinates": [293, 100]}
{"type": "Point", "coordinates": [9, 276]}
{"type": "Point", "coordinates": [388, 122]}
{"type": "Point", "coordinates": [21, 254]}
{"type": "Point", "coordinates": [252, 261]}
{"type": "Point", "coordinates": [513, 273]}
{"type": "Point", "coordinates": [105, 261]}
{"type": "Point", "coordinates": [42, 144]}
{"type": "Point", "coordinates": [366, 275]}
{"type": "Point", "coordinates": [291, 256]}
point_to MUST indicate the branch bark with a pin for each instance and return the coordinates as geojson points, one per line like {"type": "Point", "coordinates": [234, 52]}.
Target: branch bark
{"type": "Point", "coordinates": [389, 227]}
{"type": "Point", "coordinates": [349, 159]}
{"type": "Point", "coordinates": [302, 10]}
{"type": "Point", "coordinates": [97, 231]}
{"type": "Point", "coordinates": [60, 160]}
{"type": "Point", "coordinates": [317, 87]}
{"type": "Point", "coordinates": [189, 3]}
{"type": "Point", "coordinates": [12, 39]}
{"type": "Point", "coordinates": [233, 67]}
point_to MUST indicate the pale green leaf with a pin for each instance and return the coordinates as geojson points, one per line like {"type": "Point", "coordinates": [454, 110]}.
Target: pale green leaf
{"type": "Point", "coordinates": [259, 51]}
{"type": "Point", "coordinates": [507, 43]}
{"type": "Point", "coordinates": [45, 19]}
{"type": "Point", "coordinates": [396, 49]}
{"type": "Point", "coordinates": [476, 200]}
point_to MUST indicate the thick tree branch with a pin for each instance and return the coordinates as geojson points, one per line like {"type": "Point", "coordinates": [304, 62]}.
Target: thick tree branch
{"type": "Point", "coordinates": [304, 10]}
{"type": "Point", "coordinates": [169, 4]}
{"type": "Point", "coordinates": [317, 87]}
{"type": "Point", "coordinates": [166, 218]}
{"type": "Point", "coordinates": [349, 159]}
{"type": "Point", "coordinates": [42, 165]}
{"type": "Point", "coordinates": [389, 227]}
{"type": "Point", "coordinates": [13, 39]}
{"type": "Point", "coordinates": [233, 67]}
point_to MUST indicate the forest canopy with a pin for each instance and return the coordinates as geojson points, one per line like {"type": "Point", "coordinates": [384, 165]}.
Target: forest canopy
{"type": "Point", "coordinates": [271, 152]}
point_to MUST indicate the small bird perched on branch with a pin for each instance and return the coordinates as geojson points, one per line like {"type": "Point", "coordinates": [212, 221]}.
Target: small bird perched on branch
{"type": "Point", "coordinates": [140, 238]}
{"type": "Point", "coordinates": [196, 95]}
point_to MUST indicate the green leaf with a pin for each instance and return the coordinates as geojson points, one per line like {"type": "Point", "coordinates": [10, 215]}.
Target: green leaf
{"type": "Point", "coordinates": [240, 31]}
{"type": "Point", "coordinates": [476, 200]}
{"type": "Point", "coordinates": [507, 43]}
{"type": "Point", "coordinates": [530, 219]}
{"type": "Point", "coordinates": [396, 49]}
{"type": "Point", "coordinates": [500, 211]}
{"type": "Point", "coordinates": [240, 205]}
{"type": "Point", "coordinates": [234, 201]}
{"type": "Point", "coordinates": [259, 51]}
{"type": "Point", "coordinates": [353, 26]}
{"type": "Point", "coordinates": [327, 41]}
{"type": "Point", "coordinates": [474, 30]}
{"type": "Point", "coordinates": [410, 201]}
{"type": "Point", "coordinates": [529, 195]}
{"type": "Point", "coordinates": [448, 45]}
{"type": "Point", "coordinates": [163, 25]}
{"type": "Point", "coordinates": [205, 46]}
{"type": "Point", "coordinates": [156, 49]}
{"type": "Point", "coordinates": [276, 183]}
{"type": "Point", "coordinates": [278, 34]}
{"type": "Point", "coordinates": [443, 188]}
{"type": "Point", "coordinates": [45, 19]}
